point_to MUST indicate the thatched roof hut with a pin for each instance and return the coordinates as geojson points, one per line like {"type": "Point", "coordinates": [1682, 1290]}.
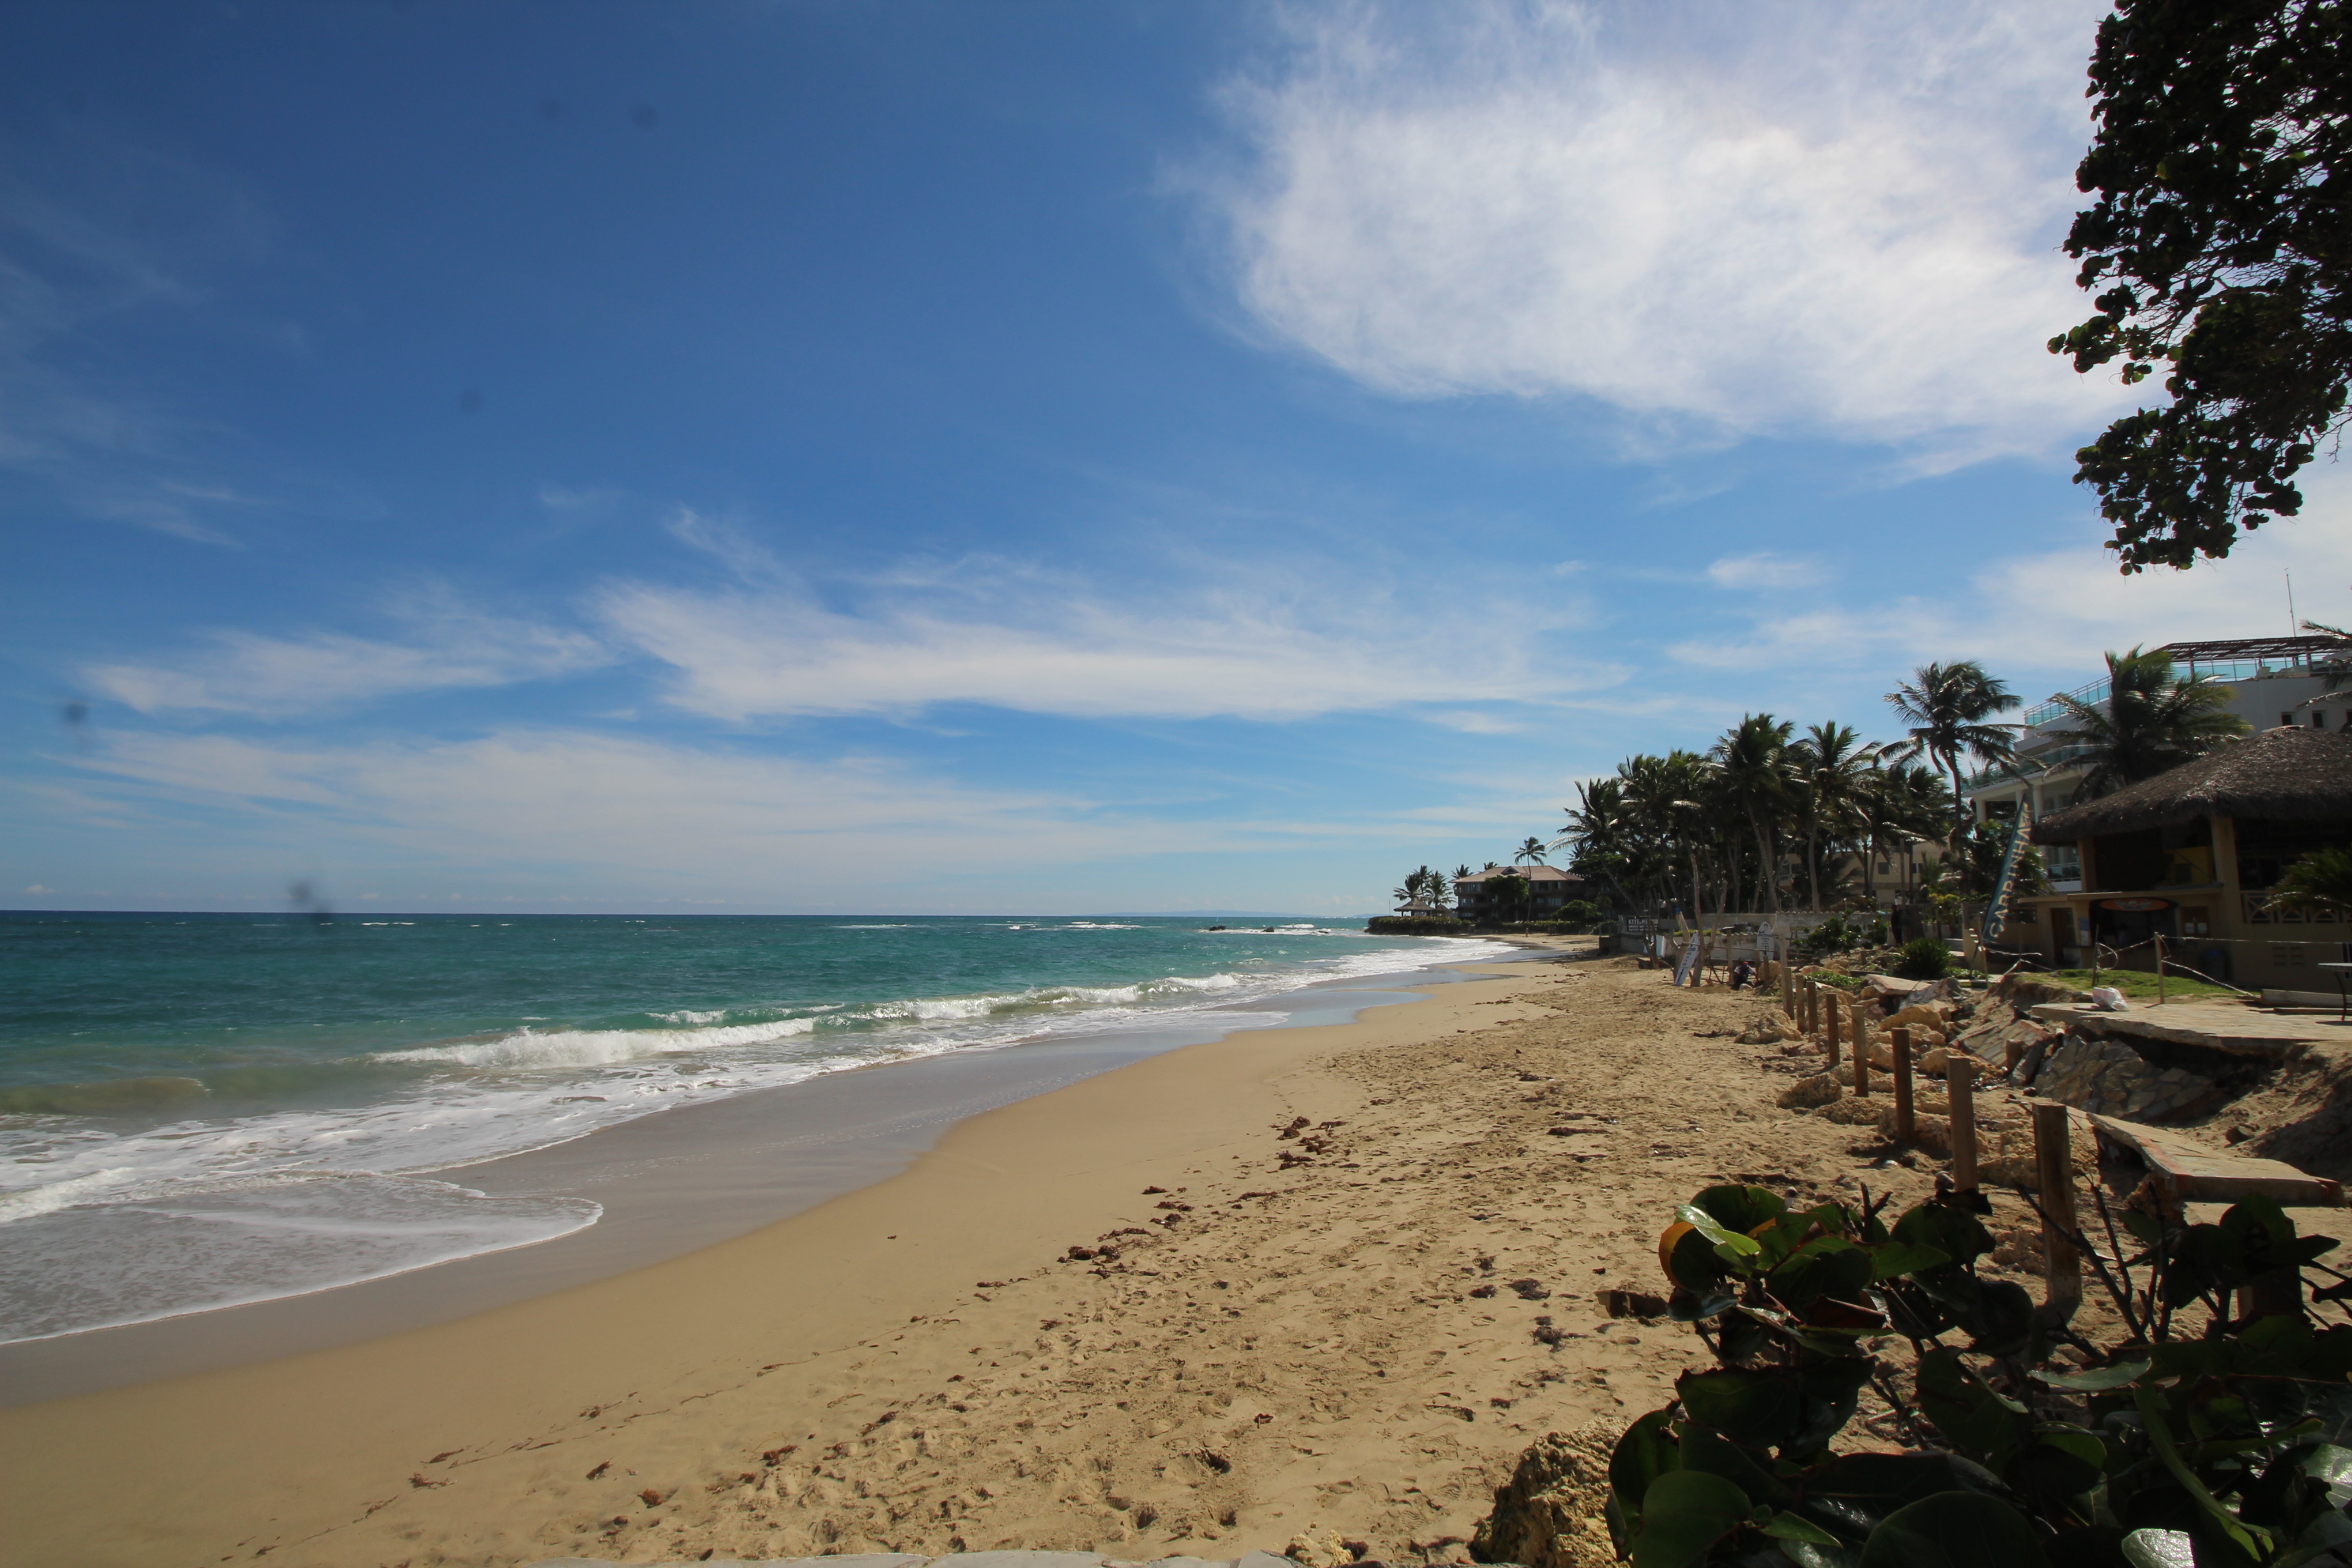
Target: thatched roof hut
{"type": "Point", "coordinates": [2287, 774]}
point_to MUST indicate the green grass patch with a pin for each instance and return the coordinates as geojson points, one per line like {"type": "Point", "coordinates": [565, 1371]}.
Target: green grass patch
{"type": "Point", "coordinates": [2140, 985]}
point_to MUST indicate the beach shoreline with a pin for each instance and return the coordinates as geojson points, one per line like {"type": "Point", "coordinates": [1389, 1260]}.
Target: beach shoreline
{"type": "Point", "coordinates": [1334, 1331]}
{"type": "Point", "coordinates": [669, 1183]}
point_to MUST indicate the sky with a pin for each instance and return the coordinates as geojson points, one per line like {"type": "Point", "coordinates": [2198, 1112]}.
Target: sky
{"type": "Point", "coordinates": [816, 456]}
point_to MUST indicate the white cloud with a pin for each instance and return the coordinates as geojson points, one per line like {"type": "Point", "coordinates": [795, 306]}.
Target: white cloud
{"type": "Point", "coordinates": [1836, 218]}
{"type": "Point", "coordinates": [1763, 570]}
{"type": "Point", "coordinates": [2048, 618]}
{"type": "Point", "coordinates": [449, 645]}
{"type": "Point", "coordinates": [1022, 642]}
{"type": "Point", "coordinates": [37, 887]}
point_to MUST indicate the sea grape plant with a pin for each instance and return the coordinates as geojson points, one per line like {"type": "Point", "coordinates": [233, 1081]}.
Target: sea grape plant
{"type": "Point", "coordinates": [2231, 1447]}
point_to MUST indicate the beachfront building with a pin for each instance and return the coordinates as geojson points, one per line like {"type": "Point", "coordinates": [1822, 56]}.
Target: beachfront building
{"type": "Point", "coordinates": [2190, 856]}
{"type": "Point", "coordinates": [1549, 888]}
{"type": "Point", "coordinates": [2273, 682]}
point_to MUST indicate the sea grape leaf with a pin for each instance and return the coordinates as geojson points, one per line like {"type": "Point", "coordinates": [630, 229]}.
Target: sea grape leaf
{"type": "Point", "coordinates": [1958, 1235]}
{"type": "Point", "coordinates": [1893, 1259]}
{"type": "Point", "coordinates": [1717, 1456]}
{"type": "Point", "coordinates": [1758, 1408]}
{"type": "Point", "coordinates": [1954, 1530]}
{"type": "Point", "coordinates": [2159, 1549]}
{"type": "Point", "coordinates": [1978, 1422]}
{"type": "Point", "coordinates": [2063, 1461]}
{"type": "Point", "coordinates": [1683, 1514]}
{"type": "Point", "coordinates": [2099, 1379]}
{"type": "Point", "coordinates": [1740, 1208]}
{"type": "Point", "coordinates": [1648, 1449]}
{"type": "Point", "coordinates": [1795, 1527]}
{"type": "Point", "coordinates": [1734, 1248]}
{"type": "Point", "coordinates": [1825, 1266]}
{"type": "Point", "coordinates": [1851, 1494]}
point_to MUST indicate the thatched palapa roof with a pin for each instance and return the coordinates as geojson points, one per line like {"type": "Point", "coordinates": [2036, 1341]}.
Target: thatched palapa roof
{"type": "Point", "coordinates": [2290, 775]}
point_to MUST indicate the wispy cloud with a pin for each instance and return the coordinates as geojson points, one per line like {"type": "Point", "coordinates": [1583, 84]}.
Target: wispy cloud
{"type": "Point", "coordinates": [1763, 570]}
{"type": "Point", "coordinates": [2055, 612]}
{"type": "Point", "coordinates": [1837, 218]}
{"type": "Point", "coordinates": [446, 644]}
{"type": "Point", "coordinates": [1029, 642]}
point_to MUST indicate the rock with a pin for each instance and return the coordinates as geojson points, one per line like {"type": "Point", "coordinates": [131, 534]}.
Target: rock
{"type": "Point", "coordinates": [1854, 1112]}
{"type": "Point", "coordinates": [1769, 1027]}
{"type": "Point", "coordinates": [1936, 1062]}
{"type": "Point", "coordinates": [1553, 1513]}
{"type": "Point", "coordinates": [1313, 1548]}
{"type": "Point", "coordinates": [1804, 1094]}
{"type": "Point", "coordinates": [1919, 1016]}
{"type": "Point", "coordinates": [2022, 991]}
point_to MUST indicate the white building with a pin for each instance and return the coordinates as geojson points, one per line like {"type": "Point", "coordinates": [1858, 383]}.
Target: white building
{"type": "Point", "coordinates": [2273, 681]}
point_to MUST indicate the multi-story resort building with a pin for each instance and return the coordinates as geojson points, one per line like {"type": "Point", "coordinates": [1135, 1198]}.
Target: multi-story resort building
{"type": "Point", "coordinates": [2189, 856]}
{"type": "Point", "coordinates": [1549, 888]}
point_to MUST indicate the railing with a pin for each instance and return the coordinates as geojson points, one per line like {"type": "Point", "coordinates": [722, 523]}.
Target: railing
{"type": "Point", "coordinates": [2042, 712]}
{"type": "Point", "coordinates": [2026, 768]}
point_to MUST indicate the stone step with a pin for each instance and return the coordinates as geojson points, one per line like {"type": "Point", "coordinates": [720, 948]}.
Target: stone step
{"type": "Point", "coordinates": [2186, 1172]}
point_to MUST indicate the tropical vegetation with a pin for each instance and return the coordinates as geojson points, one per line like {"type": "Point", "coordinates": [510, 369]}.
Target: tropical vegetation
{"type": "Point", "coordinates": [2153, 720]}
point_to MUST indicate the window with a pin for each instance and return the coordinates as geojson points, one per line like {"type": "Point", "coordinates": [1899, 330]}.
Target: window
{"type": "Point", "coordinates": [2026, 915]}
{"type": "Point", "coordinates": [2196, 920]}
{"type": "Point", "coordinates": [2287, 954]}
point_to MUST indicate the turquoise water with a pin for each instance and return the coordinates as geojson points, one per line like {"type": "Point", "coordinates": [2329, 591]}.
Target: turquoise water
{"type": "Point", "coordinates": [197, 1110]}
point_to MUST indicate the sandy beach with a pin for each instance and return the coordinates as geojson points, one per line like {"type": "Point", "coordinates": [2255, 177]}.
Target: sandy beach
{"type": "Point", "coordinates": [1128, 1315]}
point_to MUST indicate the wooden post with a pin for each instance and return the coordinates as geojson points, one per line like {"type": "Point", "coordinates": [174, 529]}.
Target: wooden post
{"type": "Point", "coordinates": [2160, 968]}
{"type": "Point", "coordinates": [1829, 1025]}
{"type": "Point", "coordinates": [1906, 1126]}
{"type": "Point", "coordinates": [1788, 987]}
{"type": "Point", "coordinates": [2054, 1160]}
{"type": "Point", "coordinates": [1961, 1084]}
{"type": "Point", "coordinates": [2011, 1053]}
{"type": "Point", "coordinates": [1812, 1005]}
{"type": "Point", "coordinates": [1861, 1028]}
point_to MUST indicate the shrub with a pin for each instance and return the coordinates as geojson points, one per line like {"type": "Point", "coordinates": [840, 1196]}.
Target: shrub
{"type": "Point", "coordinates": [2221, 1448]}
{"type": "Point", "coordinates": [1924, 958]}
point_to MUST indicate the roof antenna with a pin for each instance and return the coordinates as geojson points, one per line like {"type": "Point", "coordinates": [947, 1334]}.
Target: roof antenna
{"type": "Point", "coordinates": [2293, 627]}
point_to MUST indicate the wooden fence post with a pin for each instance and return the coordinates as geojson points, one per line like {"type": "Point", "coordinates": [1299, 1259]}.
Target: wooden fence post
{"type": "Point", "coordinates": [1788, 987]}
{"type": "Point", "coordinates": [2054, 1160]}
{"type": "Point", "coordinates": [1906, 1126]}
{"type": "Point", "coordinates": [1961, 1084]}
{"type": "Point", "coordinates": [1829, 1025]}
{"type": "Point", "coordinates": [1860, 1024]}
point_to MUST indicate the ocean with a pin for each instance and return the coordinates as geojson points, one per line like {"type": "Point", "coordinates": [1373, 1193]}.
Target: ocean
{"type": "Point", "coordinates": [201, 1111]}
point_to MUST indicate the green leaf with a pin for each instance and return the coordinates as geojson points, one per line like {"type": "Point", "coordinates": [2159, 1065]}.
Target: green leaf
{"type": "Point", "coordinates": [2326, 1533]}
{"type": "Point", "coordinates": [2097, 1380]}
{"type": "Point", "coordinates": [1978, 1422]}
{"type": "Point", "coordinates": [2064, 1461]}
{"type": "Point", "coordinates": [1645, 1452]}
{"type": "Point", "coordinates": [1825, 1266]}
{"type": "Point", "coordinates": [1958, 1235]}
{"type": "Point", "coordinates": [1731, 1246]}
{"type": "Point", "coordinates": [1740, 1208]}
{"type": "Point", "coordinates": [1812, 1554]}
{"type": "Point", "coordinates": [1893, 1259]}
{"type": "Point", "coordinates": [1683, 1514]}
{"type": "Point", "coordinates": [1719, 1455]}
{"type": "Point", "coordinates": [1954, 1530]}
{"type": "Point", "coordinates": [2159, 1549]}
{"type": "Point", "coordinates": [1794, 1527]}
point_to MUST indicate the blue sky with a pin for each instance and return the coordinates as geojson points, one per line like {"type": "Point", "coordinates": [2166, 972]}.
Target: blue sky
{"type": "Point", "coordinates": [1025, 457]}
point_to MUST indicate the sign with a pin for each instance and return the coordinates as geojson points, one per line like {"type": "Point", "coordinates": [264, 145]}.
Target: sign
{"type": "Point", "coordinates": [2135, 905]}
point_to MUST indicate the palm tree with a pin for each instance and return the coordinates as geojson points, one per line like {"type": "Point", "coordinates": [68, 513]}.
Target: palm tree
{"type": "Point", "coordinates": [1900, 801]}
{"type": "Point", "coordinates": [1530, 853]}
{"type": "Point", "coordinates": [1831, 773]}
{"type": "Point", "coordinates": [1946, 707]}
{"type": "Point", "coordinates": [2321, 881]}
{"type": "Point", "coordinates": [2153, 720]}
{"type": "Point", "coordinates": [1757, 777]}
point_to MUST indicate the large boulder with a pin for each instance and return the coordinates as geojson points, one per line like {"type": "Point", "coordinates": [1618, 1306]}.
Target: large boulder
{"type": "Point", "coordinates": [1553, 1512]}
